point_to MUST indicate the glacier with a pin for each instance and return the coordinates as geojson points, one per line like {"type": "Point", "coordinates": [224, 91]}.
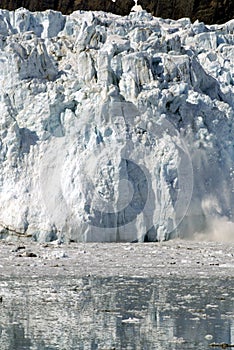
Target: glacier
{"type": "Point", "coordinates": [114, 129]}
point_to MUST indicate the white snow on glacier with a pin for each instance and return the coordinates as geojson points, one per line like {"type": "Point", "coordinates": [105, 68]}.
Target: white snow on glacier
{"type": "Point", "coordinates": [115, 128]}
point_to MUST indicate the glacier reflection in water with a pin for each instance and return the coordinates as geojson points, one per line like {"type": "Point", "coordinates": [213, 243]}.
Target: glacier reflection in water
{"type": "Point", "coordinates": [115, 313]}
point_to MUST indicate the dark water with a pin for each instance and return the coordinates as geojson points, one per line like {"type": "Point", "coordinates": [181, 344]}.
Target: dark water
{"type": "Point", "coordinates": [116, 313]}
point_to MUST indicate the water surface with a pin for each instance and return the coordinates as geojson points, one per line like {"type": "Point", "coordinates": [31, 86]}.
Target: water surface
{"type": "Point", "coordinates": [116, 313]}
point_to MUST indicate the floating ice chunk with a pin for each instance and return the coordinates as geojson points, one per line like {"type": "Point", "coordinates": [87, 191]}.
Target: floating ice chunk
{"type": "Point", "coordinates": [131, 320]}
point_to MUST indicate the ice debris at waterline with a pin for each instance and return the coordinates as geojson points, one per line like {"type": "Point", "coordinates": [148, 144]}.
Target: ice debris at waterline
{"type": "Point", "coordinates": [114, 128]}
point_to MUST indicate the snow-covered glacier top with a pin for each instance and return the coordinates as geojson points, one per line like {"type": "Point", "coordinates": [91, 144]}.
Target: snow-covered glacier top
{"type": "Point", "coordinates": [115, 128]}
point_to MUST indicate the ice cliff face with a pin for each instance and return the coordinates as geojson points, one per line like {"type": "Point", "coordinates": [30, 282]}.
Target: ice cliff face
{"type": "Point", "coordinates": [114, 128]}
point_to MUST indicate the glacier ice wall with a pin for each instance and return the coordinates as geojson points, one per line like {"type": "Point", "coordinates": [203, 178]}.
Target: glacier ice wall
{"type": "Point", "coordinates": [114, 128]}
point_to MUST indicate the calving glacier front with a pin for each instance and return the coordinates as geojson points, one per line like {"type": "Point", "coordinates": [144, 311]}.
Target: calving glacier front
{"type": "Point", "coordinates": [114, 128]}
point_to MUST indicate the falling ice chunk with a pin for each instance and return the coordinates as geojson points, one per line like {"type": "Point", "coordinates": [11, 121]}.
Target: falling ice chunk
{"type": "Point", "coordinates": [136, 7]}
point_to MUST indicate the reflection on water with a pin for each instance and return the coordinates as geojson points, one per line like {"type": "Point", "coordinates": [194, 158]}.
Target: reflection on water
{"type": "Point", "coordinates": [115, 313]}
